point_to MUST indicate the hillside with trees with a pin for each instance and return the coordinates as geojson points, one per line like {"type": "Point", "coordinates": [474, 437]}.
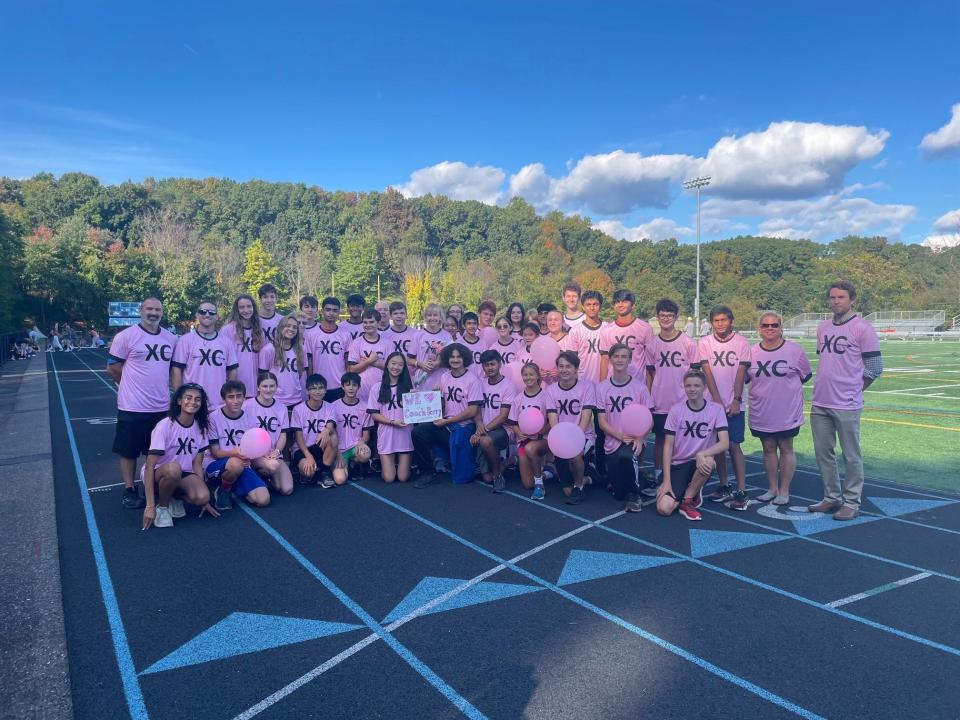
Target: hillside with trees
{"type": "Point", "coordinates": [70, 244]}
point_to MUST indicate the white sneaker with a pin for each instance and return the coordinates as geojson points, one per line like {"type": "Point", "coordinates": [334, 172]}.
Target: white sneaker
{"type": "Point", "coordinates": [163, 518]}
{"type": "Point", "coordinates": [176, 508]}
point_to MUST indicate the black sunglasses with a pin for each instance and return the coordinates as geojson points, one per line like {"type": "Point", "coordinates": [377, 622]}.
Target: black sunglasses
{"type": "Point", "coordinates": [206, 312]}
{"type": "Point", "coordinates": [769, 325]}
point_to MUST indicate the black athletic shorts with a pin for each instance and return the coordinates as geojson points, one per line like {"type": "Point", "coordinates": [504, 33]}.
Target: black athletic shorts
{"type": "Point", "coordinates": [659, 423]}
{"type": "Point", "coordinates": [780, 435]}
{"type": "Point", "coordinates": [317, 453]}
{"type": "Point", "coordinates": [132, 438]}
{"type": "Point", "coordinates": [680, 477]}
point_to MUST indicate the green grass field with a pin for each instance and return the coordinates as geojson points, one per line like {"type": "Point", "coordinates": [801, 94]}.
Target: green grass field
{"type": "Point", "coordinates": [911, 423]}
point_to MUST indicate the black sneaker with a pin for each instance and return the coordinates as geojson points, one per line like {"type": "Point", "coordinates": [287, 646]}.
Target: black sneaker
{"type": "Point", "coordinates": [424, 481]}
{"type": "Point", "coordinates": [575, 497]}
{"type": "Point", "coordinates": [633, 503]}
{"type": "Point", "coordinates": [131, 499]}
{"type": "Point", "coordinates": [222, 499]}
{"type": "Point", "coordinates": [499, 483]}
{"type": "Point", "coordinates": [326, 482]}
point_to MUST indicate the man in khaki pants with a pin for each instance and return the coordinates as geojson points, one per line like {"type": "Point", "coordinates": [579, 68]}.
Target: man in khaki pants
{"type": "Point", "coordinates": [850, 361]}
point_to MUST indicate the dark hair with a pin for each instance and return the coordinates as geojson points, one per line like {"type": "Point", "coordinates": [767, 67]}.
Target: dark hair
{"type": "Point", "coordinates": [266, 375]}
{"type": "Point", "coordinates": [315, 379]}
{"type": "Point", "coordinates": [489, 356]}
{"type": "Point", "coordinates": [356, 299]}
{"type": "Point", "coordinates": [667, 305]}
{"type": "Point", "coordinates": [308, 300]}
{"type": "Point", "coordinates": [397, 305]}
{"type": "Point", "coordinates": [695, 373]}
{"type": "Point", "coordinates": [571, 357]}
{"type": "Point", "coordinates": [232, 386]}
{"type": "Point", "coordinates": [330, 300]}
{"type": "Point", "coordinates": [620, 295]}
{"type": "Point", "coordinates": [546, 307]}
{"type": "Point", "coordinates": [371, 313]}
{"type": "Point", "coordinates": [404, 383]}
{"type": "Point", "coordinates": [202, 417]}
{"type": "Point", "coordinates": [531, 326]}
{"type": "Point", "coordinates": [448, 351]}
{"type": "Point", "coordinates": [575, 287]}
{"type": "Point", "coordinates": [266, 289]}
{"type": "Point", "coordinates": [617, 347]}
{"type": "Point", "coordinates": [350, 377]}
{"type": "Point", "coordinates": [721, 310]}
{"type": "Point", "coordinates": [509, 312]}
{"type": "Point", "coordinates": [843, 285]}
{"type": "Point", "coordinates": [469, 316]}
{"type": "Point", "coordinates": [592, 295]}
{"type": "Point", "coordinates": [487, 305]}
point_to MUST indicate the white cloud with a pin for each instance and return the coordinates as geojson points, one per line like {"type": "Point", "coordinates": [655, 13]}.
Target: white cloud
{"type": "Point", "coordinates": [456, 180]}
{"type": "Point", "coordinates": [831, 216]}
{"type": "Point", "coordinates": [533, 184]}
{"type": "Point", "coordinates": [945, 140]}
{"type": "Point", "coordinates": [657, 229]}
{"type": "Point", "coordinates": [942, 242]}
{"type": "Point", "coordinates": [788, 160]}
{"type": "Point", "coordinates": [948, 221]}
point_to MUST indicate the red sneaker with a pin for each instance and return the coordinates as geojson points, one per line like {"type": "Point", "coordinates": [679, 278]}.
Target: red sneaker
{"type": "Point", "coordinates": [688, 509]}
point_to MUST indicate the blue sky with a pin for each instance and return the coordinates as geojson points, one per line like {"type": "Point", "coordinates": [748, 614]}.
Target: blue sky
{"type": "Point", "coordinates": [810, 118]}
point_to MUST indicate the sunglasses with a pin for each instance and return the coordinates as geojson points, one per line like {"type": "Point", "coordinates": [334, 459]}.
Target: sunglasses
{"type": "Point", "coordinates": [769, 325]}
{"type": "Point", "coordinates": [211, 313]}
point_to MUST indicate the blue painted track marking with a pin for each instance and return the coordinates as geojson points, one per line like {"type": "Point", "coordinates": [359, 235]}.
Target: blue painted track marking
{"type": "Point", "coordinates": [121, 648]}
{"type": "Point", "coordinates": [700, 662]}
{"type": "Point", "coordinates": [756, 583]}
{"type": "Point", "coordinates": [408, 657]}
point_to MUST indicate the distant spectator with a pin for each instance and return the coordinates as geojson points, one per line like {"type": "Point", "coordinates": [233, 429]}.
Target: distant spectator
{"type": "Point", "coordinates": [705, 328]}
{"type": "Point", "coordinates": [689, 327]}
{"type": "Point", "coordinates": [95, 340]}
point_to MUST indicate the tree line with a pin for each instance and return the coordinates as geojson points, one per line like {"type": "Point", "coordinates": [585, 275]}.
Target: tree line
{"type": "Point", "coordinates": [70, 244]}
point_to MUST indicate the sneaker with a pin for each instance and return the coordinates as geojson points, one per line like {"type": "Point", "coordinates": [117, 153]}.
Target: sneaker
{"type": "Point", "coordinates": [163, 518]}
{"type": "Point", "coordinates": [652, 485]}
{"type": "Point", "coordinates": [538, 493]}
{"type": "Point", "coordinates": [499, 483]}
{"type": "Point", "coordinates": [425, 481]}
{"type": "Point", "coordinates": [698, 500]}
{"type": "Point", "coordinates": [176, 508]}
{"type": "Point", "coordinates": [326, 482]}
{"type": "Point", "coordinates": [721, 494]}
{"type": "Point", "coordinates": [575, 497]}
{"type": "Point", "coordinates": [131, 499]}
{"type": "Point", "coordinates": [222, 500]}
{"type": "Point", "coordinates": [633, 503]}
{"type": "Point", "coordinates": [740, 500]}
{"type": "Point", "coordinates": [689, 510]}
{"type": "Point", "coordinates": [375, 465]}
{"type": "Point", "coordinates": [767, 496]}
{"type": "Point", "coordinates": [550, 472]}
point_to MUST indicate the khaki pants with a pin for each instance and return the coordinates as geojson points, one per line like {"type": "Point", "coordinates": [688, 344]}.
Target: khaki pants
{"type": "Point", "coordinates": [827, 425]}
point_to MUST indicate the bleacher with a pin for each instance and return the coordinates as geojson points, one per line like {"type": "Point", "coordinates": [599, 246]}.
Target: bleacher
{"type": "Point", "coordinates": [804, 324]}
{"type": "Point", "coordinates": [890, 324]}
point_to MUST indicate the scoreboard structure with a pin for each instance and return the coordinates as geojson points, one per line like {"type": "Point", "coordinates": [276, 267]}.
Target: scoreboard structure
{"type": "Point", "coordinates": [123, 314]}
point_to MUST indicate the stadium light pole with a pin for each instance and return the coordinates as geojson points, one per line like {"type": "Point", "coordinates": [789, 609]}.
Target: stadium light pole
{"type": "Point", "coordinates": [697, 183]}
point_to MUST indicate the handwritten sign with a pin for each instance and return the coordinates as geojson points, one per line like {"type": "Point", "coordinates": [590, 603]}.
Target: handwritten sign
{"type": "Point", "coordinates": [419, 407]}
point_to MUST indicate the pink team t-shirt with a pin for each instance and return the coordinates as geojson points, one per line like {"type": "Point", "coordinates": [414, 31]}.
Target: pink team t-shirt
{"type": "Point", "coordinates": [430, 345]}
{"type": "Point", "coordinates": [458, 393]}
{"type": "Point", "coordinates": [406, 341]}
{"type": "Point", "coordinates": [269, 325]}
{"type": "Point", "coordinates": [225, 432]}
{"type": "Point", "coordinates": [206, 361]}
{"type": "Point", "coordinates": [328, 353]}
{"type": "Point", "coordinates": [496, 396]}
{"type": "Point", "coordinates": [842, 348]}
{"type": "Point", "coordinates": [693, 430]}
{"type": "Point", "coordinates": [724, 358]}
{"type": "Point", "coordinates": [273, 418]}
{"type": "Point", "coordinates": [290, 376]}
{"type": "Point", "coordinates": [571, 322]}
{"type": "Point", "coordinates": [246, 356]}
{"type": "Point", "coordinates": [361, 349]}
{"type": "Point", "coordinates": [476, 349]}
{"type": "Point", "coordinates": [146, 356]}
{"type": "Point", "coordinates": [508, 352]}
{"type": "Point", "coordinates": [585, 342]}
{"type": "Point", "coordinates": [568, 404]}
{"type": "Point", "coordinates": [390, 439]}
{"type": "Point", "coordinates": [612, 399]}
{"type": "Point", "coordinates": [350, 419]}
{"type": "Point", "coordinates": [311, 422]}
{"type": "Point", "coordinates": [635, 336]}
{"type": "Point", "coordinates": [173, 442]}
{"type": "Point", "coordinates": [521, 401]}
{"type": "Point", "coordinates": [776, 387]}
{"type": "Point", "coordinates": [669, 360]}
{"type": "Point", "coordinates": [355, 330]}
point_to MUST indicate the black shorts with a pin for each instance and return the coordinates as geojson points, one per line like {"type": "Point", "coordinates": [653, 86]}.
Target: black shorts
{"type": "Point", "coordinates": [779, 435]}
{"type": "Point", "coordinates": [659, 423]}
{"type": "Point", "coordinates": [132, 437]}
{"type": "Point", "coordinates": [680, 477]}
{"type": "Point", "coordinates": [317, 453]}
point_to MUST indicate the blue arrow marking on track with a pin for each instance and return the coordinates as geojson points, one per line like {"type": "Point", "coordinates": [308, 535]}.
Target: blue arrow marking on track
{"type": "Point", "coordinates": [825, 523]}
{"type": "Point", "coordinates": [240, 633]}
{"type": "Point", "coordinates": [585, 565]}
{"type": "Point", "coordinates": [895, 507]}
{"type": "Point", "coordinates": [431, 588]}
{"type": "Point", "coordinates": [714, 542]}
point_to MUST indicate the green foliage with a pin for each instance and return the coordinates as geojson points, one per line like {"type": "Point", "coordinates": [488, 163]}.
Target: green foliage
{"type": "Point", "coordinates": [258, 268]}
{"type": "Point", "coordinates": [357, 265]}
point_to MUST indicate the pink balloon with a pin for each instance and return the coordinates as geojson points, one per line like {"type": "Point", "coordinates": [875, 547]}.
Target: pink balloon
{"type": "Point", "coordinates": [255, 443]}
{"type": "Point", "coordinates": [511, 371]}
{"type": "Point", "coordinates": [636, 420]}
{"type": "Point", "coordinates": [566, 440]}
{"type": "Point", "coordinates": [530, 421]}
{"type": "Point", "coordinates": [544, 352]}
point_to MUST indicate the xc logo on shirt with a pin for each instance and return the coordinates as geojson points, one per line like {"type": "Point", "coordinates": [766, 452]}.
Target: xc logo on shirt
{"type": "Point", "coordinates": [329, 347]}
{"type": "Point", "coordinates": [268, 333]}
{"type": "Point", "coordinates": [831, 344]}
{"type": "Point", "coordinates": [270, 424]}
{"type": "Point", "coordinates": [670, 359]}
{"type": "Point", "coordinates": [160, 353]}
{"type": "Point", "coordinates": [695, 429]}
{"type": "Point", "coordinates": [508, 357]}
{"type": "Point", "coordinates": [724, 359]}
{"type": "Point", "coordinates": [211, 357]}
{"type": "Point", "coordinates": [629, 340]}
{"type": "Point", "coordinates": [350, 421]}
{"type": "Point", "coordinates": [619, 402]}
{"type": "Point", "coordinates": [771, 368]}
{"type": "Point", "coordinates": [246, 345]}
{"type": "Point", "coordinates": [571, 406]}
{"type": "Point", "coordinates": [592, 347]}
{"type": "Point", "coordinates": [233, 436]}
{"type": "Point", "coordinates": [185, 446]}
{"type": "Point", "coordinates": [401, 346]}
{"type": "Point", "coordinates": [454, 394]}
{"type": "Point", "coordinates": [315, 426]}
{"type": "Point", "coordinates": [395, 402]}
{"type": "Point", "coordinates": [491, 401]}
{"type": "Point", "coordinates": [290, 365]}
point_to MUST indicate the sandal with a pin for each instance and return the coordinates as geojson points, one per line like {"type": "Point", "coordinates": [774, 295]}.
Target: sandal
{"type": "Point", "coordinates": [766, 497]}
{"type": "Point", "coordinates": [781, 500]}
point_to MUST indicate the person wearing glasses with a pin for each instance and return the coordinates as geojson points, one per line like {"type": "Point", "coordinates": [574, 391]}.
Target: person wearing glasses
{"type": "Point", "coordinates": [778, 370]}
{"type": "Point", "coordinates": [205, 357]}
